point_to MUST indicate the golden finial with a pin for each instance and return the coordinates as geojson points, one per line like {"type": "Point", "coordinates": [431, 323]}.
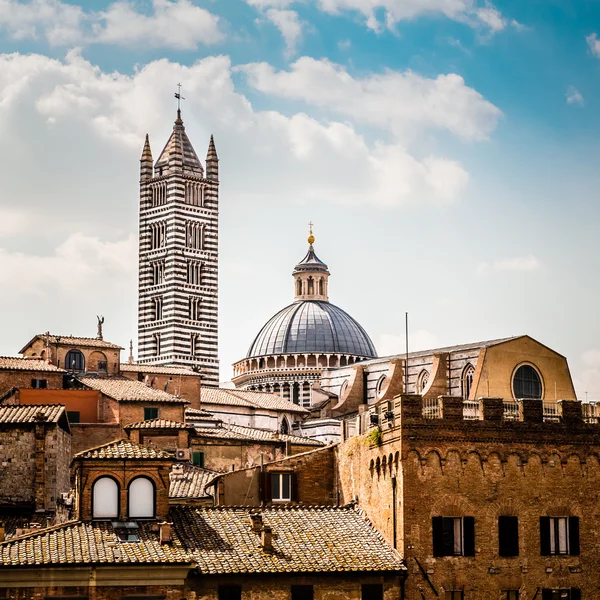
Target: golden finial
{"type": "Point", "coordinates": [311, 237]}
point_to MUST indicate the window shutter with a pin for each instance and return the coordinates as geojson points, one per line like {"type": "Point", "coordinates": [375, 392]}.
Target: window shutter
{"type": "Point", "coordinates": [468, 536]}
{"type": "Point", "coordinates": [437, 525]}
{"type": "Point", "coordinates": [546, 593]}
{"type": "Point", "coordinates": [575, 594]}
{"type": "Point", "coordinates": [294, 486]}
{"type": "Point", "coordinates": [508, 536]}
{"type": "Point", "coordinates": [574, 536]}
{"type": "Point", "coordinates": [545, 538]}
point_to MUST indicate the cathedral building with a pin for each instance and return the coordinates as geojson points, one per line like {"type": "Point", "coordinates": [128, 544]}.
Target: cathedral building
{"type": "Point", "coordinates": [311, 334]}
{"type": "Point", "coordinates": [178, 257]}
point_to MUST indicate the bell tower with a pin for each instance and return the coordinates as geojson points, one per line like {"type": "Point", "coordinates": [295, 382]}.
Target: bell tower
{"type": "Point", "coordinates": [179, 257]}
{"type": "Point", "coordinates": [311, 275]}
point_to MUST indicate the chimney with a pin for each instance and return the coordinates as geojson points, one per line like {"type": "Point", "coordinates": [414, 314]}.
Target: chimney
{"type": "Point", "coordinates": [1, 531]}
{"type": "Point", "coordinates": [256, 522]}
{"type": "Point", "coordinates": [164, 532]}
{"type": "Point", "coordinates": [266, 538]}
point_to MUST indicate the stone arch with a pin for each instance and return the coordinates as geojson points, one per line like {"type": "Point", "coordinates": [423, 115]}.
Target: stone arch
{"type": "Point", "coordinates": [322, 361]}
{"type": "Point", "coordinates": [271, 362]}
{"type": "Point", "coordinates": [311, 361]}
{"type": "Point", "coordinates": [333, 360]}
{"type": "Point", "coordinates": [290, 362]}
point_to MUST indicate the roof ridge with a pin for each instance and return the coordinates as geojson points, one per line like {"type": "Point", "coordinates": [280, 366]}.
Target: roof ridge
{"type": "Point", "coordinates": [44, 531]}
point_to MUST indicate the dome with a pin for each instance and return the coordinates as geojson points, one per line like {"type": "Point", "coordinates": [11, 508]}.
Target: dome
{"type": "Point", "coordinates": [312, 326]}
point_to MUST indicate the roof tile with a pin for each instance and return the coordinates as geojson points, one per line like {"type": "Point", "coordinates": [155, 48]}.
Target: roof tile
{"type": "Point", "coordinates": [28, 413]}
{"type": "Point", "coordinates": [123, 389]}
{"type": "Point", "coordinates": [124, 449]}
{"type": "Point", "coordinates": [17, 363]}
{"type": "Point", "coordinates": [234, 397]}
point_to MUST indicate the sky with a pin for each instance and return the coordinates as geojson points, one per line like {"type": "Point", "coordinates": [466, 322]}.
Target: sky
{"type": "Point", "coordinates": [445, 150]}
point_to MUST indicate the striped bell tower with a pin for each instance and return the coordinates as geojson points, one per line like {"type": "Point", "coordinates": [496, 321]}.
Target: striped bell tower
{"type": "Point", "coordinates": [179, 258]}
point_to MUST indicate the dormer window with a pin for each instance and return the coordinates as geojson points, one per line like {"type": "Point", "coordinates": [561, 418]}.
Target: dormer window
{"type": "Point", "coordinates": [126, 531]}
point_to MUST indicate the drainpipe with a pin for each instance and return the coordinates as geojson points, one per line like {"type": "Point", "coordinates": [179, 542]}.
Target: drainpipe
{"type": "Point", "coordinates": [394, 521]}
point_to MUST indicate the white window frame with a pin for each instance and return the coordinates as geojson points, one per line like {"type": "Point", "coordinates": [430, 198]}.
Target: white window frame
{"type": "Point", "coordinates": [281, 498]}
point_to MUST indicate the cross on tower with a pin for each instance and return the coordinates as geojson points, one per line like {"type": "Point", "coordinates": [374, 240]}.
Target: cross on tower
{"type": "Point", "coordinates": [179, 97]}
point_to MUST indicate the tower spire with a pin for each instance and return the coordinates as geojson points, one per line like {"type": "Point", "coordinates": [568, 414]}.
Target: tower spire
{"type": "Point", "coordinates": [212, 161]}
{"type": "Point", "coordinates": [146, 171]}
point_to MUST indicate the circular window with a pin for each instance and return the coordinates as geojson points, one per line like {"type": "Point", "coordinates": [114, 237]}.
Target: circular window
{"type": "Point", "coordinates": [527, 383]}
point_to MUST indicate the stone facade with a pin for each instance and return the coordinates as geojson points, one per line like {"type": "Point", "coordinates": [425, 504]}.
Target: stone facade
{"type": "Point", "coordinates": [178, 254]}
{"type": "Point", "coordinates": [417, 468]}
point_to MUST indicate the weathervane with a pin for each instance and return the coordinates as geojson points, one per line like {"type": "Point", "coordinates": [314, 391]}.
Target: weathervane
{"type": "Point", "coordinates": [179, 97]}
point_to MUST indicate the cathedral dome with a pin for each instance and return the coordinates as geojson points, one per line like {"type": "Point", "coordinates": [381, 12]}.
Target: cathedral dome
{"type": "Point", "coordinates": [312, 326]}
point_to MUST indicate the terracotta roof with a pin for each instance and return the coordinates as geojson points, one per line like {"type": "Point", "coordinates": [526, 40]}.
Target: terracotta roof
{"type": "Point", "coordinates": [12, 522]}
{"type": "Point", "coordinates": [158, 424]}
{"type": "Point", "coordinates": [124, 449]}
{"type": "Point", "coordinates": [233, 397]}
{"type": "Point", "coordinates": [267, 434]}
{"type": "Point", "coordinates": [159, 370]}
{"type": "Point", "coordinates": [190, 483]}
{"type": "Point", "coordinates": [128, 390]}
{"type": "Point", "coordinates": [26, 413]}
{"type": "Point", "coordinates": [198, 414]}
{"type": "Point", "coordinates": [69, 340]}
{"type": "Point", "coordinates": [88, 543]}
{"type": "Point", "coordinates": [305, 540]}
{"type": "Point", "coordinates": [17, 363]}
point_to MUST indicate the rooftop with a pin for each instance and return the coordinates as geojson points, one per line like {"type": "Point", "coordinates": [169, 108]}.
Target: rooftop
{"type": "Point", "coordinates": [158, 424]}
{"type": "Point", "coordinates": [123, 389]}
{"type": "Point", "coordinates": [69, 340]}
{"type": "Point", "coordinates": [83, 543]}
{"type": "Point", "coordinates": [31, 413]}
{"type": "Point", "coordinates": [305, 540]}
{"type": "Point", "coordinates": [17, 363]}
{"type": "Point", "coordinates": [127, 368]}
{"type": "Point", "coordinates": [234, 397]}
{"type": "Point", "coordinates": [190, 483]}
{"type": "Point", "coordinates": [121, 449]}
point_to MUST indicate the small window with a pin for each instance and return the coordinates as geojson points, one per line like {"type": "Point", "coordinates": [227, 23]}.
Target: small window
{"type": "Point", "coordinates": [422, 381]}
{"type": "Point", "coordinates": [39, 384]}
{"type": "Point", "coordinates": [527, 383]}
{"type": "Point", "coordinates": [198, 459]}
{"type": "Point", "coordinates": [561, 594]}
{"type": "Point", "coordinates": [102, 366]}
{"type": "Point", "coordinates": [455, 595]}
{"type": "Point", "coordinates": [126, 531]}
{"type": "Point", "coordinates": [508, 536]}
{"type": "Point", "coordinates": [281, 486]}
{"type": "Point", "coordinates": [453, 536]}
{"type": "Point", "coordinates": [74, 416]}
{"type": "Point", "coordinates": [105, 498]}
{"type": "Point", "coordinates": [381, 386]}
{"type": "Point", "coordinates": [150, 413]}
{"type": "Point", "coordinates": [141, 498]}
{"type": "Point", "coordinates": [467, 381]}
{"type": "Point", "coordinates": [302, 592]}
{"type": "Point", "coordinates": [510, 595]}
{"type": "Point", "coordinates": [559, 536]}
{"type": "Point", "coordinates": [74, 361]}
{"type": "Point", "coordinates": [372, 591]}
{"type": "Point", "coordinates": [230, 592]}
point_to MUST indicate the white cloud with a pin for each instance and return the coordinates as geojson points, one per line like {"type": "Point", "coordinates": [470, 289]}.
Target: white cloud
{"type": "Point", "coordinates": [289, 25]}
{"type": "Point", "coordinates": [171, 24]}
{"type": "Point", "coordinates": [523, 263]}
{"type": "Point", "coordinates": [403, 102]}
{"type": "Point", "coordinates": [573, 96]}
{"type": "Point", "coordinates": [13, 222]}
{"type": "Point", "coordinates": [380, 14]}
{"type": "Point", "coordinates": [588, 380]}
{"type": "Point", "coordinates": [593, 44]}
{"type": "Point", "coordinates": [79, 261]}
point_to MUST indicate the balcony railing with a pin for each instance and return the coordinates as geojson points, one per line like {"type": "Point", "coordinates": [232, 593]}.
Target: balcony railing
{"type": "Point", "coordinates": [511, 411]}
{"type": "Point", "coordinates": [590, 412]}
{"type": "Point", "coordinates": [471, 410]}
{"type": "Point", "coordinates": [432, 408]}
{"type": "Point", "coordinates": [550, 412]}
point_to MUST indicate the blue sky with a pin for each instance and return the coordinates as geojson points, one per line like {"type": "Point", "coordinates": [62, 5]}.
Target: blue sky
{"type": "Point", "coordinates": [445, 150]}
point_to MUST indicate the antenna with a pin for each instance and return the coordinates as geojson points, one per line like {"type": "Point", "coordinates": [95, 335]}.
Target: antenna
{"type": "Point", "coordinates": [406, 359]}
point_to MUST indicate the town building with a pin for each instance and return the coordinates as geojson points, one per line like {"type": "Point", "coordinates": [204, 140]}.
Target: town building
{"type": "Point", "coordinates": [290, 351]}
{"type": "Point", "coordinates": [178, 257]}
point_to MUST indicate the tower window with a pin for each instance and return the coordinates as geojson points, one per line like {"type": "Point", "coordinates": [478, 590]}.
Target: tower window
{"type": "Point", "coordinates": [194, 235]}
{"type": "Point", "coordinates": [159, 192]}
{"type": "Point", "coordinates": [158, 272]}
{"type": "Point", "coordinates": [158, 305]}
{"type": "Point", "coordinates": [194, 272]}
{"type": "Point", "coordinates": [158, 234]}
{"type": "Point", "coordinates": [156, 338]}
{"type": "Point", "coordinates": [195, 308]}
{"type": "Point", "coordinates": [194, 344]}
{"type": "Point", "coordinates": [194, 193]}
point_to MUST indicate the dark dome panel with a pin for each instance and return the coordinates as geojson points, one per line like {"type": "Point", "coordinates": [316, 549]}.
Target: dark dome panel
{"type": "Point", "coordinates": [312, 326]}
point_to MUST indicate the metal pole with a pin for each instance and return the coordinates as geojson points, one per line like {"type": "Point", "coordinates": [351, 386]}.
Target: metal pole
{"type": "Point", "coordinates": [406, 358]}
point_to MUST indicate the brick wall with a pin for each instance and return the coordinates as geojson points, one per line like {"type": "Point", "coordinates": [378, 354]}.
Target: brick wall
{"type": "Point", "coordinates": [17, 462]}
{"type": "Point", "coordinates": [57, 460]}
{"type": "Point", "coordinates": [483, 468]}
{"type": "Point", "coordinates": [186, 386]}
{"type": "Point", "coordinates": [90, 435]}
{"type": "Point", "coordinates": [132, 412]}
{"type": "Point", "coordinates": [220, 455]}
{"type": "Point", "coordinates": [22, 379]}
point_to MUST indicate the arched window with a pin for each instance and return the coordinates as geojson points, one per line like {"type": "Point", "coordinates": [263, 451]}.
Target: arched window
{"type": "Point", "coordinates": [296, 393]}
{"type": "Point", "coordinates": [467, 381]}
{"type": "Point", "coordinates": [74, 361]}
{"type": "Point", "coordinates": [311, 286]}
{"type": "Point", "coordinates": [321, 287]}
{"type": "Point", "coordinates": [141, 499]}
{"type": "Point", "coordinates": [381, 386]}
{"type": "Point", "coordinates": [299, 287]}
{"type": "Point", "coordinates": [105, 498]}
{"type": "Point", "coordinates": [422, 381]}
{"type": "Point", "coordinates": [527, 382]}
{"type": "Point", "coordinates": [285, 426]}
